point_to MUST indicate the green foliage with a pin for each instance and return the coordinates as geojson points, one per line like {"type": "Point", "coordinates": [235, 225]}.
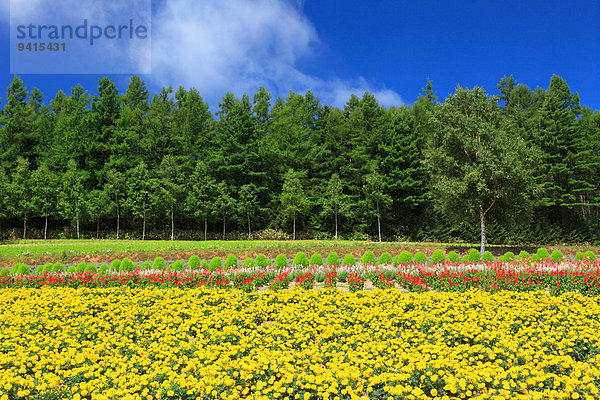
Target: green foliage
{"type": "Point", "coordinates": [194, 262]}
{"type": "Point", "coordinates": [90, 268]}
{"type": "Point", "coordinates": [579, 256]}
{"type": "Point", "coordinates": [127, 265]}
{"type": "Point", "coordinates": [523, 255]}
{"type": "Point", "coordinates": [231, 262]}
{"type": "Point", "coordinates": [248, 263]}
{"type": "Point", "coordinates": [115, 265]}
{"type": "Point", "coordinates": [146, 265]}
{"type": "Point", "coordinates": [159, 263]}
{"type": "Point", "coordinates": [178, 265]}
{"type": "Point", "coordinates": [57, 267]}
{"type": "Point", "coordinates": [453, 257]}
{"type": "Point", "coordinates": [301, 259]}
{"type": "Point", "coordinates": [556, 255]}
{"type": "Point", "coordinates": [103, 268]}
{"type": "Point", "coordinates": [332, 259]}
{"type": "Point", "coordinates": [81, 267]}
{"type": "Point", "coordinates": [420, 258]}
{"type": "Point", "coordinates": [349, 260]}
{"type": "Point", "coordinates": [589, 255]}
{"type": "Point", "coordinates": [316, 259]}
{"type": "Point", "coordinates": [405, 257]}
{"type": "Point", "coordinates": [262, 261]}
{"type": "Point", "coordinates": [4, 271]}
{"type": "Point", "coordinates": [281, 261]}
{"type": "Point", "coordinates": [474, 256]}
{"type": "Point", "coordinates": [41, 270]}
{"type": "Point", "coordinates": [368, 258]}
{"type": "Point", "coordinates": [542, 254]}
{"type": "Point", "coordinates": [488, 256]}
{"type": "Point", "coordinates": [342, 276]}
{"type": "Point", "coordinates": [215, 264]}
{"type": "Point", "coordinates": [438, 257]}
{"type": "Point", "coordinates": [385, 258]}
{"type": "Point", "coordinates": [72, 269]}
{"type": "Point", "coordinates": [479, 165]}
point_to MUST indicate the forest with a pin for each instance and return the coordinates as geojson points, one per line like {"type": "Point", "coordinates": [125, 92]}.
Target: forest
{"type": "Point", "coordinates": [524, 164]}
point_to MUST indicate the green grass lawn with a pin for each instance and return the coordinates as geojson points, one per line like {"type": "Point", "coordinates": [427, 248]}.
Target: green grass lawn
{"type": "Point", "coordinates": [38, 251]}
{"type": "Point", "coordinates": [23, 250]}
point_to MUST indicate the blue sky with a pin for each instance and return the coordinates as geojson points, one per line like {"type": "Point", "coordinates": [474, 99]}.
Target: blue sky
{"type": "Point", "coordinates": [336, 47]}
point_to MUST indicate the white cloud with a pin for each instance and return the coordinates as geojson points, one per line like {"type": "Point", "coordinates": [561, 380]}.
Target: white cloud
{"type": "Point", "coordinates": [218, 46]}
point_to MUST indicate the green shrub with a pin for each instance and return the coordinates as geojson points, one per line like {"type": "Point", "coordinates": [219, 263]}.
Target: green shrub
{"type": "Point", "coordinates": [301, 259]}
{"type": "Point", "coordinates": [474, 255]}
{"type": "Point", "coordinates": [23, 269]}
{"type": "Point", "coordinates": [72, 269]}
{"type": "Point", "coordinates": [177, 266]}
{"type": "Point", "coordinates": [579, 256]}
{"type": "Point", "coordinates": [41, 270]}
{"type": "Point", "coordinates": [58, 267]}
{"type": "Point", "coordinates": [159, 263]}
{"type": "Point", "coordinates": [262, 261]}
{"type": "Point", "coordinates": [103, 268]}
{"type": "Point", "coordinates": [248, 263]}
{"type": "Point", "coordinates": [385, 258]}
{"type": "Point", "coordinates": [589, 255]}
{"type": "Point", "coordinates": [523, 255]}
{"type": "Point", "coordinates": [488, 256]}
{"type": "Point", "coordinates": [438, 256]}
{"type": "Point", "coordinates": [146, 265]}
{"type": "Point", "coordinates": [215, 264]}
{"type": "Point", "coordinates": [127, 265]}
{"type": "Point", "coordinates": [542, 253]}
{"type": "Point", "coordinates": [81, 267]}
{"type": "Point", "coordinates": [465, 258]}
{"type": "Point", "coordinates": [332, 259]}
{"type": "Point", "coordinates": [115, 265]}
{"type": "Point", "coordinates": [453, 257]}
{"type": "Point", "coordinates": [420, 258]}
{"type": "Point", "coordinates": [349, 260]}
{"type": "Point", "coordinates": [316, 259]}
{"type": "Point", "coordinates": [231, 262]}
{"type": "Point", "coordinates": [535, 257]}
{"type": "Point", "coordinates": [15, 269]}
{"type": "Point", "coordinates": [342, 276]}
{"type": "Point", "coordinates": [4, 271]}
{"type": "Point", "coordinates": [281, 261]}
{"type": "Point", "coordinates": [556, 255]}
{"type": "Point", "coordinates": [48, 266]}
{"type": "Point", "coordinates": [405, 257]}
{"type": "Point", "coordinates": [368, 258]}
{"type": "Point", "coordinates": [194, 262]}
{"type": "Point", "coordinates": [510, 256]}
{"type": "Point", "coordinates": [90, 268]}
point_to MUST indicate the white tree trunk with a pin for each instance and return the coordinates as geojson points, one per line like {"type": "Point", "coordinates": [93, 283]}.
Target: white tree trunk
{"type": "Point", "coordinates": [172, 224]}
{"type": "Point", "coordinates": [482, 220]}
{"type": "Point", "coordinates": [77, 216]}
{"type": "Point", "coordinates": [336, 225]}
{"type": "Point", "coordinates": [25, 226]}
{"type": "Point", "coordinates": [118, 219]}
{"type": "Point", "coordinates": [144, 220]}
{"type": "Point", "coordinates": [378, 222]}
{"type": "Point", "coordinates": [205, 227]}
{"type": "Point", "coordinates": [249, 231]}
{"type": "Point", "coordinates": [294, 226]}
{"type": "Point", "coordinates": [45, 227]}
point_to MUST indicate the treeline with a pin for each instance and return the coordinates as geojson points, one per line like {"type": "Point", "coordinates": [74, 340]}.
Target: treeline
{"type": "Point", "coordinates": [167, 167]}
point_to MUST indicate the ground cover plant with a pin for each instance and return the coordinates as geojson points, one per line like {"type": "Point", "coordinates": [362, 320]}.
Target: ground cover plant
{"type": "Point", "coordinates": [225, 344]}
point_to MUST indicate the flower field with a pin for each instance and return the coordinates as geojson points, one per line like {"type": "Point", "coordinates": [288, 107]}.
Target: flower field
{"type": "Point", "coordinates": [153, 343]}
{"type": "Point", "coordinates": [522, 276]}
